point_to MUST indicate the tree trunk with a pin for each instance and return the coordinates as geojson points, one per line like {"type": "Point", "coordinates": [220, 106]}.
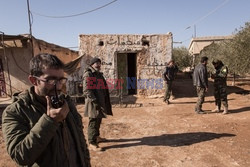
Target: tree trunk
{"type": "Point", "coordinates": [233, 83]}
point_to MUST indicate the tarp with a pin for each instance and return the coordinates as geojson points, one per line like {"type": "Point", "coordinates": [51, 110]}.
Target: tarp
{"type": "Point", "coordinates": [72, 66]}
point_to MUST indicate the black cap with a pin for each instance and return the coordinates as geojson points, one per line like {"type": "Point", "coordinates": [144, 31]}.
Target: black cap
{"type": "Point", "coordinates": [94, 60]}
{"type": "Point", "coordinates": [216, 61]}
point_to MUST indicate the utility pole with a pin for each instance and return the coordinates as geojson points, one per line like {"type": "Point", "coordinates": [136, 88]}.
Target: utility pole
{"type": "Point", "coordinates": [30, 28]}
{"type": "Point", "coordinates": [194, 31]}
{"type": "Point", "coordinates": [194, 35]}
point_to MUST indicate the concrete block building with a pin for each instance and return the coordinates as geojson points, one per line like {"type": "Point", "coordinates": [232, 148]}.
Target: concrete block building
{"type": "Point", "coordinates": [136, 62]}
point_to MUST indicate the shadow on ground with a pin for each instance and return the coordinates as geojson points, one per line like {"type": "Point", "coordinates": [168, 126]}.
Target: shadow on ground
{"type": "Point", "coordinates": [183, 87]}
{"type": "Point", "coordinates": [124, 101]}
{"type": "Point", "coordinates": [244, 109]}
{"type": "Point", "coordinates": [172, 140]}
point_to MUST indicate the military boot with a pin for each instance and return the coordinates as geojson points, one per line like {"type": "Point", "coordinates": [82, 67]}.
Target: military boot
{"type": "Point", "coordinates": [100, 139]}
{"type": "Point", "coordinates": [225, 110]}
{"type": "Point", "coordinates": [95, 147]}
{"type": "Point", "coordinates": [217, 109]}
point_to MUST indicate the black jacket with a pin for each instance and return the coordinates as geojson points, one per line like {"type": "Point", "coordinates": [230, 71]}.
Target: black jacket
{"type": "Point", "coordinates": [200, 77]}
{"type": "Point", "coordinates": [170, 72]}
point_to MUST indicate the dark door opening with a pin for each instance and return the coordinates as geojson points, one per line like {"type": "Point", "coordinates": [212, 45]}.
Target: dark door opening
{"type": "Point", "coordinates": [126, 68]}
{"type": "Point", "coordinates": [131, 62]}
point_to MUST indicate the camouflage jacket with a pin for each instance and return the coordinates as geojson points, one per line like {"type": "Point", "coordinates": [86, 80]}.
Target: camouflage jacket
{"type": "Point", "coordinates": [220, 75]}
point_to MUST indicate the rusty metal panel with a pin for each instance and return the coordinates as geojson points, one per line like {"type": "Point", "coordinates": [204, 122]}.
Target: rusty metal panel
{"type": "Point", "coordinates": [2, 81]}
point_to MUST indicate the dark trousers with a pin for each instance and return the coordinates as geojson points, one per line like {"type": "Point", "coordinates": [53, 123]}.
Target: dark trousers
{"type": "Point", "coordinates": [168, 91]}
{"type": "Point", "coordinates": [201, 98]}
{"type": "Point", "coordinates": [220, 95]}
{"type": "Point", "coordinates": [94, 129]}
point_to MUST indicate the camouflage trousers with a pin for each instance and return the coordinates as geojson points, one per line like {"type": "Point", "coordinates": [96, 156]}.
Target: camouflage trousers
{"type": "Point", "coordinates": [94, 129]}
{"type": "Point", "coordinates": [220, 95]}
{"type": "Point", "coordinates": [168, 90]}
{"type": "Point", "coordinates": [201, 98]}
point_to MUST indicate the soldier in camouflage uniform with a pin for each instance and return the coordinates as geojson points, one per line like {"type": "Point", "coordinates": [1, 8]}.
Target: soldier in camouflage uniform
{"type": "Point", "coordinates": [220, 86]}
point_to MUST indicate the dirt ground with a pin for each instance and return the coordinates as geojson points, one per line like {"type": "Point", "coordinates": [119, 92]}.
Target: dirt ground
{"type": "Point", "coordinates": [145, 132]}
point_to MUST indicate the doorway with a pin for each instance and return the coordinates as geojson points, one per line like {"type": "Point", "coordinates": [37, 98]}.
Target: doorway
{"type": "Point", "coordinates": [126, 66]}
{"type": "Point", "coordinates": [131, 61]}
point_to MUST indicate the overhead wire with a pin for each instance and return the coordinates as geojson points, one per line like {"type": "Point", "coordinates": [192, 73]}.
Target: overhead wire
{"type": "Point", "coordinates": [32, 19]}
{"type": "Point", "coordinates": [211, 12]}
{"type": "Point", "coordinates": [203, 17]}
{"type": "Point", "coordinates": [83, 13]}
{"type": "Point", "coordinates": [43, 15]}
{"type": "Point", "coordinates": [72, 47]}
{"type": "Point", "coordinates": [74, 15]}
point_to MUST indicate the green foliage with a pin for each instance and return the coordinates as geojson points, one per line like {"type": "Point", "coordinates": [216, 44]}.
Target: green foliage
{"type": "Point", "coordinates": [182, 57]}
{"type": "Point", "coordinates": [215, 51]}
{"type": "Point", "coordinates": [241, 50]}
{"type": "Point", "coordinates": [235, 53]}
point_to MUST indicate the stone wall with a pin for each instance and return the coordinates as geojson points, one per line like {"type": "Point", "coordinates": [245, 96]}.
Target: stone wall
{"type": "Point", "coordinates": [152, 52]}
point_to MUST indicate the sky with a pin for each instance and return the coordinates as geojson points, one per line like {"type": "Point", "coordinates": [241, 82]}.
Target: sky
{"type": "Point", "coordinates": [62, 21]}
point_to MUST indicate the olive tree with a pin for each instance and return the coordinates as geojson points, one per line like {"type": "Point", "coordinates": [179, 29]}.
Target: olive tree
{"type": "Point", "coordinates": [235, 53]}
{"type": "Point", "coordinates": [182, 57]}
{"type": "Point", "coordinates": [239, 60]}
